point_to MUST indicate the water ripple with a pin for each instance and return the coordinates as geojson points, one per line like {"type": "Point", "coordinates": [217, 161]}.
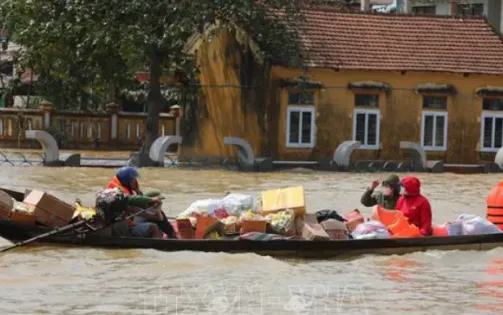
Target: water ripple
{"type": "Point", "coordinates": [69, 280]}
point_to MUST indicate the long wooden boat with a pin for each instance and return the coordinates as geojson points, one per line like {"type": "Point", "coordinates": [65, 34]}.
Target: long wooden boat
{"type": "Point", "coordinates": [15, 232]}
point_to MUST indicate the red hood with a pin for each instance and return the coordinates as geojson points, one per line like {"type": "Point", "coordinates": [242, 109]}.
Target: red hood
{"type": "Point", "coordinates": [412, 185]}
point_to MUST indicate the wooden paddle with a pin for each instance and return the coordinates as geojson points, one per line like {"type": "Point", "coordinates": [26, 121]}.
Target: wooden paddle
{"type": "Point", "coordinates": [67, 228]}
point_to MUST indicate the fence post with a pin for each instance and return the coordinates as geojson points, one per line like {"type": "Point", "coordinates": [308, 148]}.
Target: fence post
{"type": "Point", "coordinates": [176, 111]}
{"type": "Point", "coordinates": [46, 108]}
{"type": "Point", "coordinates": [113, 110]}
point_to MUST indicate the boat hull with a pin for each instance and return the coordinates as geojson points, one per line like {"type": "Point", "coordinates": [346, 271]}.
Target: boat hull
{"type": "Point", "coordinates": [15, 232]}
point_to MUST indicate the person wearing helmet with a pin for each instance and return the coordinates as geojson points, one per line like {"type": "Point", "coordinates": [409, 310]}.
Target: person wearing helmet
{"type": "Point", "coordinates": [387, 198]}
{"type": "Point", "coordinates": [126, 180]}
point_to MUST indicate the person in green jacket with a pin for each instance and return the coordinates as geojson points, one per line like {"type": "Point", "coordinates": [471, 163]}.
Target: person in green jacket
{"type": "Point", "coordinates": [112, 206]}
{"type": "Point", "coordinates": [387, 198]}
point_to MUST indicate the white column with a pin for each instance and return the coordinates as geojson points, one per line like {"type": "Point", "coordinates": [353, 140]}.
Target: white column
{"type": "Point", "coordinates": [365, 5]}
{"type": "Point", "coordinates": [407, 6]}
{"type": "Point", "coordinates": [114, 125]}
{"type": "Point", "coordinates": [47, 119]}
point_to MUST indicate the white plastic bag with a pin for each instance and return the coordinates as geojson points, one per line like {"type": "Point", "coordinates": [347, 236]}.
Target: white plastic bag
{"type": "Point", "coordinates": [475, 225]}
{"type": "Point", "coordinates": [370, 230]}
{"type": "Point", "coordinates": [202, 207]}
{"type": "Point", "coordinates": [235, 204]}
{"type": "Point", "coordinates": [454, 228]}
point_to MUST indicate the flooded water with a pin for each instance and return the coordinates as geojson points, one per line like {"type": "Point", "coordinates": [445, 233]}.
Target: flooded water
{"type": "Point", "coordinates": [64, 280]}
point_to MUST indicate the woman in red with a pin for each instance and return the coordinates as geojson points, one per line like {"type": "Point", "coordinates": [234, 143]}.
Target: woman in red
{"type": "Point", "coordinates": [414, 205]}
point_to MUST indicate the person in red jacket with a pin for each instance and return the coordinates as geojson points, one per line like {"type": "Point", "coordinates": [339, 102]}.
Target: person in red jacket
{"type": "Point", "coordinates": [414, 205]}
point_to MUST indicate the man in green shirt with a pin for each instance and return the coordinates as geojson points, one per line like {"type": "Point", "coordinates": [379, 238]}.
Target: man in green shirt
{"type": "Point", "coordinates": [387, 198]}
{"type": "Point", "coordinates": [112, 205]}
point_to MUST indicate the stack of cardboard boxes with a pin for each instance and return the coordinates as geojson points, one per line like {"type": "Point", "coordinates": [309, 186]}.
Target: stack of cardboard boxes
{"type": "Point", "coordinates": [36, 207]}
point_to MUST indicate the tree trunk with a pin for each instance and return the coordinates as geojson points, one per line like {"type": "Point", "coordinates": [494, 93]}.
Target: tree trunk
{"type": "Point", "coordinates": [83, 101]}
{"type": "Point", "coordinates": [154, 102]}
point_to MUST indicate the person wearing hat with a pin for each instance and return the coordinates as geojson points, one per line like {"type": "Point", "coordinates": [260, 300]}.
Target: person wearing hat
{"type": "Point", "coordinates": [126, 180]}
{"type": "Point", "coordinates": [387, 198]}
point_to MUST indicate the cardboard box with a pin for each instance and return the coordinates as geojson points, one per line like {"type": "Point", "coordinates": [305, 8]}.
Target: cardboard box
{"type": "Point", "coordinates": [48, 210]}
{"type": "Point", "coordinates": [299, 225]}
{"type": "Point", "coordinates": [335, 229]}
{"type": "Point", "coordinates": [248, 226]}
{"type": "Point", "coordinates": [6, 204]}
{"type": "Point", "coordinates": [183, 229]}
{"type": "Point", "coordinates": [202, 224]}
{"type": "Point", "coordinates": [281, 199]}
{"type": "Point", "coordinates": [22, 217]}
{"type": "Point", "coordinates": [312, 230]}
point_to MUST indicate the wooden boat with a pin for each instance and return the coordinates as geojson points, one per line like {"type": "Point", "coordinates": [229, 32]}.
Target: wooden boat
{"type": "Point", "coordinates": [15, 232]}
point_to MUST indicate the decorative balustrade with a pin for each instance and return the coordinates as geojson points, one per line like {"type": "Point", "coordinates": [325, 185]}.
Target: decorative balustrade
{"type": "Point", "coordinates": [109, 130]}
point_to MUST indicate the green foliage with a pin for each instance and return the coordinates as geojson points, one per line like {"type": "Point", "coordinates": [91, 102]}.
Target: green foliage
{"type": "Point", "coordinates": [100, 44]}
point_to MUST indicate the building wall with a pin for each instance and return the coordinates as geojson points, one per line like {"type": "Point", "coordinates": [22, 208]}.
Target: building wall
{"type": "Point", "coordinates": [400, 110]}
{"type": "Point", "coordinates": [492, 9]}
{"type": "Point", "coordinates": [233, 95]}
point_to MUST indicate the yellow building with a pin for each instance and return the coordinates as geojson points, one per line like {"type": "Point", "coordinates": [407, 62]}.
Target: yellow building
{"type": "Point", "coordinates": [374, 78]}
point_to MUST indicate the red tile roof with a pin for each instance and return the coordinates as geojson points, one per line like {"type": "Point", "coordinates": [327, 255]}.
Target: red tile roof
{"type": "Point", "coordinates": [375, 41]}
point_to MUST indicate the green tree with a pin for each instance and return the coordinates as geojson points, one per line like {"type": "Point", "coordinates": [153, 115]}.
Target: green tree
{"type": "Point", "coordinates": [102, 43]}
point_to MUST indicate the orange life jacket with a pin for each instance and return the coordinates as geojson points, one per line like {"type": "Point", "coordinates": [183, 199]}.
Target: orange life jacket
{"type": "Point", "coordinates": [395, 221]}
{"type": "Point", "coordinates": [115, 183]}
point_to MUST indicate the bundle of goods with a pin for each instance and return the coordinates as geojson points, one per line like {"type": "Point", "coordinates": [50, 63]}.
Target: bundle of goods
{"type": "Point", "coordinates": [393, 223]}
{"type": "Point", "coordinates": [37, 207]}
{"type": "Point", "coordinates": [370, 230]}
{"type": "Point", "coordinates": [275, 212]}
{"type": "Point", "coordinates": [466, 224]}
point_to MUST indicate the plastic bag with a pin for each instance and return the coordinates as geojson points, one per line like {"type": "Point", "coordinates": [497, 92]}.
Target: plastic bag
{"type": "Point", "coordinates": [326, 214]}
{"type": "Point", "coordinates": [20, 206]}
{"type": "Point", "coordinates": [257, 236]}
{"type": "Point", "coordinates": [235, 204]}
{"type": "Point", "coordinates": [475, 225]}
{"type": "Point", "coordinates": [282, 222]}
{"type": "Point", "coordinates": [370, 230]}
{"type": "Point", "coordinates": [231, 224]}
{"type": "Point", "coordinates": [250, 215]}
{"type": "Point", "coordinates": [202, 207]}
{"type": "Point", "coordinates": [454, 228]}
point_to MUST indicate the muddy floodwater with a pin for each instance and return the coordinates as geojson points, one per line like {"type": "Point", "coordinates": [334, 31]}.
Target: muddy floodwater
{"type": "Point", "coordinates": [66, 280]}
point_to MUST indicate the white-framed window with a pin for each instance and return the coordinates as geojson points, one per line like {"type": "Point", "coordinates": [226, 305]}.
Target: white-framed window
{"type": "Point", "coordinates": [491, 124]}
{"type": "Point", "coordinates": [434, 130]}
{"type": "Point", "coordinates": [300, 121]}
{"type": "Point", "coordinates": [366, 121]}
{"type": "Point", "coordinates": [434, 123]}
{"type": "Point", "coordinates": [300, 127]}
